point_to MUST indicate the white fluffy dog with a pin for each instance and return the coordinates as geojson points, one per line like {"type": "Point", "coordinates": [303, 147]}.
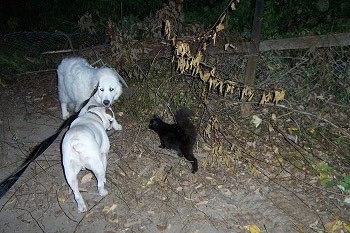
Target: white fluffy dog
{"type": "Point", "coordinates": [86, 145]}
{"type": "Point", "coordinates": [77, 79]}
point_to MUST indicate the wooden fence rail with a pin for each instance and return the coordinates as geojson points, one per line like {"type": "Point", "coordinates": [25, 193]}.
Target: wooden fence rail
{"type": "Point", "coordinates": [306, 42]}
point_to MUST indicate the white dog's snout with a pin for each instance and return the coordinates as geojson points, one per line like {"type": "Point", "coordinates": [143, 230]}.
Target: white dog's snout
{"type": "Point", "coordinates": [106, 103]}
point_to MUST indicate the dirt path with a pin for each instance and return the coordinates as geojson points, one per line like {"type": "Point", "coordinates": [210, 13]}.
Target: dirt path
{"type": "Point", "coordinates": [150, 189]}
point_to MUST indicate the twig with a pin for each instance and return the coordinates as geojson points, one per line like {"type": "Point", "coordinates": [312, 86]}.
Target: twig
{"type": "Point", "coordinates": [60, 51]}
{"type": "Point", "coordinates": [35, 72]}
{"type": "Point", "coordinates": [153, 60]}
{"type": "Point", "coordinates": [37, 223]}
{"type": "Point", "coordinates": [76, 227]}
{"type": "Point", "coordinates": [69, 40]}
{"type": "Point", "coordinates": [59, 204]}
{"type": "Point", "coordinates": [338, 105]}
{"type": "Point", "coordinates": [73, 50]}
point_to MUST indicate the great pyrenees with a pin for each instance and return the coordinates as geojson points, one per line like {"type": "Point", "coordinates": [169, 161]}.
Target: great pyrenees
{"type": "Point", "coordinates": [86, 145]}
{"type": "Point", "coordinates": [77, 79]}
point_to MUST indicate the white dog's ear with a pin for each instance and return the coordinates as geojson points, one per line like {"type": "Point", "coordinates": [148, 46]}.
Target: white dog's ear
{"type": "Point", "coordinates": [91, 106]}
{"type": "Point", "coordinates": [110, 114]}
{"type": "Point", "coordinates": [120, 78]}
{"type": "Point", "coordinates": [113, 123]}
{"type": "Point", "coordinates": [118, 93]}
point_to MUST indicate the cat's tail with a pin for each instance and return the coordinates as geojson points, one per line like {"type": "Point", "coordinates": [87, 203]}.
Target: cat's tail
{"type": "Point", "coordinates": [182, 118]}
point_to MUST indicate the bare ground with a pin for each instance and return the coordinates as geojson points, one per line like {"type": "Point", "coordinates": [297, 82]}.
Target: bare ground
{"type": "Point", "coordinates": [150, 189]}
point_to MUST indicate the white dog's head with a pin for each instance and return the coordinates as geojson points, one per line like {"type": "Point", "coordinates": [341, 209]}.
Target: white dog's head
{"type": "Point", "coordinates": [106, 115]}
{"type": "Point", "coordinates": [109, 88]}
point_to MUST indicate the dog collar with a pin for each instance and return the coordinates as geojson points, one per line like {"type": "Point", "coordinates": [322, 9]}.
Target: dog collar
{"type": "Point", "coordinates": [96, 115]}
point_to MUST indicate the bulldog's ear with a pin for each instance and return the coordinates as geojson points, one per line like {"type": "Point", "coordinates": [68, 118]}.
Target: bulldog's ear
{"type": "Point", "coordinates": [91, 106]}
{"type": "Point", "coordinates": [109, 112]}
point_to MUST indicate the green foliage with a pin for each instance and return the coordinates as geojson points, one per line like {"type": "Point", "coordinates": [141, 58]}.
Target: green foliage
{"type": "Point", "coordinates": [280, 18]}
{"type": "Point", "coordinates": [344, 184]}
{"type": "Point", "coordinates": [157, 92]}
{"type": "Point", "coordinates": [11, 64]}
{"type": "Point", "coordinates": [326, 176]}
{"type": "Point", "coordinates": [325, 173]}
{"type": "Point", "coordinates": [297, 18]}
{"type": "Point", "coordinates": [203, 12]}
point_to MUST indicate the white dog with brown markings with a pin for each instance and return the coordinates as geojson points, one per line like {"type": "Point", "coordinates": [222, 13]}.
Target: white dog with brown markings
{"type": "Point", "coordinates": [86, 145]}
{"type": "Point", "coordinates": [77, 80]}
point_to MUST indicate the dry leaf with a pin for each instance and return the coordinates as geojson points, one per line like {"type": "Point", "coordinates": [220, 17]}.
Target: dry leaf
{"type": "Point", "coordinates": [210, 84]}
{"type": "Point", "coordinates": [244, 92]}
{"type": "Point", "coordinates": [251, 96]}
{"type": "Point", "coordinates": [204, 46]}
{"type": "Point", "coordinates": [129, 224]}
{"type": "Point", "coordinates": [207, 131]}
{"type": "Point", "coordinates": [116, 220]}
{"type": "Point", "coordinates": [279, 96]}
{"type": "Point", "coordinates": [61, 199]}
{"type": "Point", "coordinates": [151, 180]}
{"type": "Point", "coordinates": [214, 38]}
{"type": "Point", "coordinates": [253, 229]}
{"type": "Point", "coordinates": [86, 178]}
{"type": "Point", "coordinates": [198, 58]}
{"type": "Point", "coordinates": [221, 85]}
{"type": "Point", "coordinates": [335, 226]}
{"type": "Point", "coordinates": [256, 121]}
{"type": "Point", "coordinates": [167, 29]}
{"type": "Point", "coordinates": [265, 98]}
{"type": "Point", "coordinates": [222, 18]}
{"type": "Point", "coordinates": [347, 201]}
{"type": "Point", "coordinates": [228, 89]}
{"type": "Point", "coordinates": [82, 190]}
{"type": "Point", "coordinates": [205, 77]}
{"type": "Point", "coordinates": [233, 7]}
{"type": "Point", "coordinates": [273, 117]}
{"type": "Point", "coordinates": [212, 72]}
{"type": "Point", "coordinates": [219, 27]}
{"type": "Point", "coordinates": [107, 209]}
{"type": "Point", "coordinates": [161, 228]}
{"type": "Point", "coordinates": [202, 203]}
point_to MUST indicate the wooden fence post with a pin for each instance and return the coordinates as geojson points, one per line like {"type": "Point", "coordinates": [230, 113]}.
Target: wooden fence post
{"type": "Point", "coordinates": [253, 56]}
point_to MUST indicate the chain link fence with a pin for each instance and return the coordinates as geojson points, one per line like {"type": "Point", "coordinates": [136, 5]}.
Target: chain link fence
{"type": "Point", "coordinates": [23, 52]}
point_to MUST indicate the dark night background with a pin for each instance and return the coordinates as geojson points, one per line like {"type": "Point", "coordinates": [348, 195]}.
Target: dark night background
{"type": "Point", "coordinates": [281, 17]}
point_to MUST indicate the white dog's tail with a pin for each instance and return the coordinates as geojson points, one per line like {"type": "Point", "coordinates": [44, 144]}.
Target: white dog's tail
{"type": "Point", "coordinates": [77, 146]}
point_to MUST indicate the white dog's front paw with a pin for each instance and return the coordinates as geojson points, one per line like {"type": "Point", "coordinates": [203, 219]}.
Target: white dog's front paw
{"type": "Point", "coordinates": [103, 192]}
{"type": "Point", "coordinates": [65, 113]}
{"type": "Point", "coordinates": [65, 116]}
{"type": "Point", "coordinates": [117, 126]}
{"type": "Point", "coordinates": [81, 207]}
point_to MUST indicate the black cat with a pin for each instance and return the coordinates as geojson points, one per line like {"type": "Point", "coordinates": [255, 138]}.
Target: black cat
{"type": "Point", "coordinates": [180, 136]}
